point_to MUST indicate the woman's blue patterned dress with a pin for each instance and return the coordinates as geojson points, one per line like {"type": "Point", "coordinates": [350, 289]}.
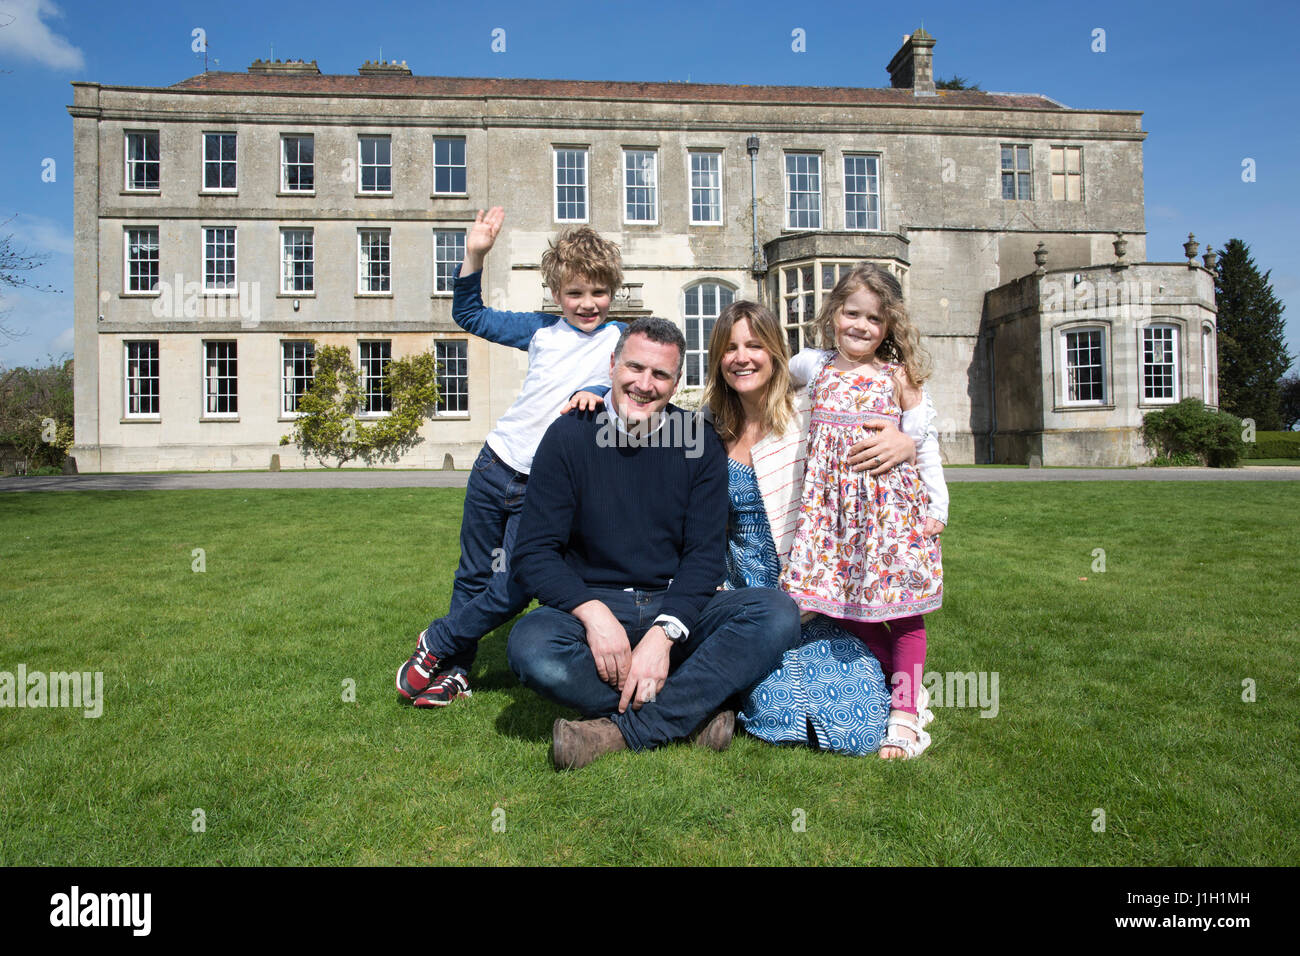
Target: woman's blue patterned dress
{"type": "Point", "coordinates": [830, 682]}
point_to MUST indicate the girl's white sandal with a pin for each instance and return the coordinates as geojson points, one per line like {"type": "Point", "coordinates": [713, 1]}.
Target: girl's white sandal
{"type": "Point", "coordinates": [910, 748]}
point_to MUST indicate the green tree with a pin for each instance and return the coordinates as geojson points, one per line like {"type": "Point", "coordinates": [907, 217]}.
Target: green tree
{"type": "Point", "coordinates": [956, 82]}
{"type": "Point", "coordinates": [1252, 350]}
{"type": "Point", "coordinates": [36, 413]}
{"type": "Point", "coordinates": [327, 426]}
{"type": "Point", "coordinates": [1290, 387]}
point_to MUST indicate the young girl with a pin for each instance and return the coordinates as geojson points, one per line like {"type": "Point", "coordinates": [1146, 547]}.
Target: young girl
{"type": "Point", "coordinates": [866, 549]}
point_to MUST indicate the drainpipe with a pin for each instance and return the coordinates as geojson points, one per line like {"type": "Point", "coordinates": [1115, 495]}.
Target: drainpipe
{"type": "Point", "coordinates": [759, 265]}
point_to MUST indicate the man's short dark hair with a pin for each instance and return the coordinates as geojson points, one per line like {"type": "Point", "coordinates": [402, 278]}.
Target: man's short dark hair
{"type": "Point", "coordinates": [656, 330]}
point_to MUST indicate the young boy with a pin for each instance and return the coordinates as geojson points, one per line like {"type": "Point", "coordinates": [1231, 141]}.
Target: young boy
{"type": "Point", "coordinates": [565, 352]}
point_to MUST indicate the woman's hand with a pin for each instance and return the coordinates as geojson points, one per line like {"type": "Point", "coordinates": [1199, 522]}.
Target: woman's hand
{"type": "Point", "coordinates": [883, 448]}
{"type": "Point", "coordinates": [933, 528]}
{"type": "Point", "coordinates": [587, 401]}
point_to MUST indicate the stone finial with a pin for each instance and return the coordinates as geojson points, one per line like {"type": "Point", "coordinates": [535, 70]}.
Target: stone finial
{"type": "Point", "coordinates": [1190, 248]}
{"type": "Point", "coordinates": [913, 65]}
{"type": "Point", "coordinates": [1040, 259]}
{"type": "Point", "coordinates": [1211, 258]}
{"type": "Point", "coordinates": [1121, 249]}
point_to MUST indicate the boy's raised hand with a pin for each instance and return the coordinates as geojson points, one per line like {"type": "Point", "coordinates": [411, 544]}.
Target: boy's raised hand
{"type": "Point", "coordinates": [481, 237]}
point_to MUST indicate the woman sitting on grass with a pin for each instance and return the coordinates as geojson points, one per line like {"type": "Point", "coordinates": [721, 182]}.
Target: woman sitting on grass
{"type": "Point", "coordinates": [828, 692]}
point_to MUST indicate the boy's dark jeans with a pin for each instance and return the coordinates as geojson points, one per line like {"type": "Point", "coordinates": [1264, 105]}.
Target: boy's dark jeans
{"type": "Point", "coordinates": [484, 595]}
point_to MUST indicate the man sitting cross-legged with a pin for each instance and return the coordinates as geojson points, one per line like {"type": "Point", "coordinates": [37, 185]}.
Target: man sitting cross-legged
{"type": "Point", "coordinates": [622, 539]}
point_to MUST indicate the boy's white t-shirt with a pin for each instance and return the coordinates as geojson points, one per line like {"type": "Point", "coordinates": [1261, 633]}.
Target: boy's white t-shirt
{"type": "Point", "coordinates": [561, 360]}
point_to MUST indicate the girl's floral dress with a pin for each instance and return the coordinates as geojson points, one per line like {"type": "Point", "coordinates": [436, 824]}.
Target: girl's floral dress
{"type": "Point", "coordinates": [859, 552]}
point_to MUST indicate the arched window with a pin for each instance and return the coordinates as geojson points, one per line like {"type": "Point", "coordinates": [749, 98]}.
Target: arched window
{"type": "Point", "coordinates": [704, 302]}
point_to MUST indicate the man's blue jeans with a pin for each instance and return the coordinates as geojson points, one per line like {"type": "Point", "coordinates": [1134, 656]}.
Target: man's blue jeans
{"type": "Point", "coordinates": [738, 639]}
{"type": "Point", "coordinates": [484, 595]}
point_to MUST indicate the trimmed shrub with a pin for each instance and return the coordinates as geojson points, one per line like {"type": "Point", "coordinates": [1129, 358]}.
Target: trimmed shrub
{"type": "Point", "coordinates": [1189, 428]}
{"type": "Point", "coordinates": [1274, 445]}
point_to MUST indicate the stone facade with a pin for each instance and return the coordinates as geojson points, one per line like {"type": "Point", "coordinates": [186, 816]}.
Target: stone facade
{"type": "Point", "coordinates": [907, 176]}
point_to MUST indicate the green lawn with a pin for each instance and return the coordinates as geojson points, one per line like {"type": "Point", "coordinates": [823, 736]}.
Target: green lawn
{"type": "Point", "coordinates": [1120, 691]}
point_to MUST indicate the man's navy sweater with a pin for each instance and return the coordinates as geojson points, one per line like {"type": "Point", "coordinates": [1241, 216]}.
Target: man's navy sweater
{"type": "Point", "coordinates": [620, 517]}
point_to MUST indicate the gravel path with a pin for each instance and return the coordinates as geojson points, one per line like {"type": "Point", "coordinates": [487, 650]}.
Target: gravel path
{"type": "Point", "coordinates": [457, 479]}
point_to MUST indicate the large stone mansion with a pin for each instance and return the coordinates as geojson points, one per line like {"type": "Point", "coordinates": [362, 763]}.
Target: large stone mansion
{"type": "Point", "coordinates": [228, 222]}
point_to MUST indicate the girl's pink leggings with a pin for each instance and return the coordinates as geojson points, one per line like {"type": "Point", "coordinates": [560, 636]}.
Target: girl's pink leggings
{"type": "Point", "coordinates": [899, 645]}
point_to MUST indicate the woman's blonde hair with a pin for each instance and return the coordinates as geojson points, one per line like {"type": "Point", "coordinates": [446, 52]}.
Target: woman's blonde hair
{"type": "Point", "coordinates": [721, 399]}
{"type": "Point", "coordinates": [902, 342]}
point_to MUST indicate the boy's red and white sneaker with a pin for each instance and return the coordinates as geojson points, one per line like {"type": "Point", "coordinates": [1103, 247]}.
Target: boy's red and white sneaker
{"type": "Point", "coordinates": [419, 671]}
{"type": "Point", "coordinates": [444, 690]}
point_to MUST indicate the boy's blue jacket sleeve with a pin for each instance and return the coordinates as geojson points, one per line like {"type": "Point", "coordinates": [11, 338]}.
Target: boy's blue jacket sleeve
{"type": "Point", "coordinates": [515, 329]}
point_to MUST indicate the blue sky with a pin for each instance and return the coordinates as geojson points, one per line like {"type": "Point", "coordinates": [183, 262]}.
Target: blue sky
{"type": "Point", "coordinates": [1211, 79]}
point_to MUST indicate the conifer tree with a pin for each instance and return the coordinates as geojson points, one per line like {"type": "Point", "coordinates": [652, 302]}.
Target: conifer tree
{"type": "Point", "coordinates": [1252, 350]}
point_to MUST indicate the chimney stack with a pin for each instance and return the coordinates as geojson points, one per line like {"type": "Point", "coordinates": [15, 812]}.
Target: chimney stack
{"type": "Point", "coordinates": [380, 68]}
{"type": "Point", "coordinates": [288, 67]}
{"type": "Point", "coordinates": [913, 65]}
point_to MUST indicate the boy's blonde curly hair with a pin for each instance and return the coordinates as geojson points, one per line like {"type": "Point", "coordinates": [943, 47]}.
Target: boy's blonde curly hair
{"type": "Point", "coordinates": [581, 252]}
{"type": "Point", "coordinates": [902, 342]}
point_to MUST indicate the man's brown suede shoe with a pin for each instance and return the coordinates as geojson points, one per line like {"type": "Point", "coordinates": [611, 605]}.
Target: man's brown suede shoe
{"type": "Point", "coordinates": [717, 731]}
{"type": "Point", "coordinates": [577, 743]}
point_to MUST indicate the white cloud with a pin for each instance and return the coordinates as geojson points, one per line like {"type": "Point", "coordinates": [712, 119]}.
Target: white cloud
{"type": "Point", "coordinates": [24, 34]}
{"type": "Point", "coordinates": [38, 234]}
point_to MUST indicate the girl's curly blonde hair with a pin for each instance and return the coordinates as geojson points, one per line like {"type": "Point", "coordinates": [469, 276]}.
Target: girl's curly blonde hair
{"type": "Point", "coordinates": [902, 342]}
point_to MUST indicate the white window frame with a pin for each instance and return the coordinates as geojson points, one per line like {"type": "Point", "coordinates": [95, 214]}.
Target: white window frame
{"type": "Point", "coordinates": [127, 379]}
{"type": "Point", "coordinates": [126, 261]}
{"type": "Point", "coordinates": [695, 361]}
{"type": "Point", "coordinates": [791, 176]}
{"type": "Point", "coordinates": [286, 273]}
{"type": "Point", "coordinates": [447, 287]}
{"type": "Point", "coordinates": [285, 163]}
{"type": "Point", "coordinates": [233, 287]}
{"type": "Point", "coordinates": [1016, 171]}
{"type": "Point", "coordinates": [211, 380]}
{"type": "Point", "coordinates": [583, 186]}
{"type": "Point", "coordinates": [362, 165]}
{"type": "Point", "coordinates": [1063, 336]}
{"type": "Point", "coordinates": [372, 385]}
{"type": "Point", "coordinates": [128, 163]}
{"type": "Point", "coordinates": [879, 210]}
{"type": "Point", "coordinates": [440, 347]}
{"type": "Point", "coordinates": [362, 276]}
{"type": "Point", "coordinates": [463, 165]}
{"type": "Point", "coordinates": [1065, 174]}
{"type": "Point", "coordinates": [220, 163]}
{"type": "Point", "coordinates": [1175, 363]}
{"type": "Point", "coordinates": [653, 186]}
{"type": "Point", "coordinates": [1209, 357]}
{"type": "Point", "coordinates": [288, 376]}
{"type": "Point", "coordinates": [691, 187]}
